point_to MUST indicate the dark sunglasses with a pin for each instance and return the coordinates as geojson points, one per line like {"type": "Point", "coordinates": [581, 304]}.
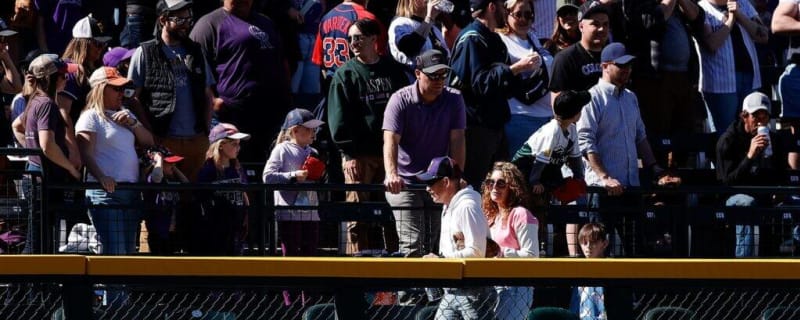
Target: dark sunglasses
{"type": "Point", "coordinates": [117, 89]}
{"type": "Point", "coordinates": [437, 76]}
{"type": "Point", "coordinates": [528, 15]}
{"type": "Point", "coordinates": [624, 66]}
{"type": "Point", "coordinates": [499, 183]}
{"type": "Point", "coordinates": [180, 20]}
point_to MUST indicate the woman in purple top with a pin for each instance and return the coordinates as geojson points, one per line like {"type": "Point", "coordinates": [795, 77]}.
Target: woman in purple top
{"type": "Point", "coordinates": [222, 227]}
{"type": "Point", "coordinates": [45, 129]}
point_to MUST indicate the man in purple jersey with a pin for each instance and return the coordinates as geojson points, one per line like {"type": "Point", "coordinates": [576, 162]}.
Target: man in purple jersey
{"type": "Point", "coordinates": [246, 55]}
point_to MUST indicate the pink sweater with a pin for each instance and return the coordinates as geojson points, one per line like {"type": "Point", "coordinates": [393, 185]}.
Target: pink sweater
{"type": "Point", "coordinates": [519, 236]}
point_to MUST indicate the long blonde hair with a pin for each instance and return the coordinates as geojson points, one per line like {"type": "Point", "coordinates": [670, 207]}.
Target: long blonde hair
{"type": "Point", "coordinates": [78, 52]}
{"type": "Point", "coordinates": [405, 8]}
{"type": "Point", "coordinates": [94, 100]}
{"type": "Point", "coordinates": [517, 190]}
{"type": "Point", "coordinates": [213, 153]}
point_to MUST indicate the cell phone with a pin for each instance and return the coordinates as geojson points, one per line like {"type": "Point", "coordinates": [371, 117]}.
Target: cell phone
{"type": "Point", "coordinates": [128, 93]}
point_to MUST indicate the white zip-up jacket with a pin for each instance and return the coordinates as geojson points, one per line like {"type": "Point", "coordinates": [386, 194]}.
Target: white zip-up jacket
{"type": "Point", "coordinates": [464, 215]}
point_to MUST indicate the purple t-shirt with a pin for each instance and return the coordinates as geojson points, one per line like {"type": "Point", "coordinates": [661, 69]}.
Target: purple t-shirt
{"type": "Point", "coordinates": [59, 18]}
{"type": "Point", "coordinates": [42, 114]}
{"type": "Point", "coordinates": [424, 128]}
{"type": "Point", "coordinates": [247, 57]}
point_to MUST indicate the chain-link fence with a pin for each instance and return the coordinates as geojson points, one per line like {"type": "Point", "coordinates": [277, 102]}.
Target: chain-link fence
{"type": "Point", "coordinates": [43, 301]}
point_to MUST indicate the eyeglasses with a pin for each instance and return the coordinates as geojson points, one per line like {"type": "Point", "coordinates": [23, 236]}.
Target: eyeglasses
{"type": "Point", "coordinates": [180, 20]}
{"type": "Point", "coordinates": [437, 76]}
{"type": "Point", "coordinates": [430, 183]}
{"type": "Point", "coordinates": [528, 15]}
{"type": "Point", "coordinates": [491, 183]}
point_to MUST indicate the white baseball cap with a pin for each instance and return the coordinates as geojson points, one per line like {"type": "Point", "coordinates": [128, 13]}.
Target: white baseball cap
{"type": "Point", "coordinates": [89, 28]}
{"type": "Point", "coordinates": [756, 101]}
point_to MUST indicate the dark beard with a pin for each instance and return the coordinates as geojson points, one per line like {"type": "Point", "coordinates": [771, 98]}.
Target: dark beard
{"type": "Point", "coordinates": [178, 35]}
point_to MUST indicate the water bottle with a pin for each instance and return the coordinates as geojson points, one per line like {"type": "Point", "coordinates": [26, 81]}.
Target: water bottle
{"type": "Point", "coordinates": [763, 130]}
{"type": "Point", "coordinates": [445, 6]}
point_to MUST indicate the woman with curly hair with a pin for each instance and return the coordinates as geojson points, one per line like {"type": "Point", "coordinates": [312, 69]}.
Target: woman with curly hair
{"type": "Point", "coordinates": [513, 228]}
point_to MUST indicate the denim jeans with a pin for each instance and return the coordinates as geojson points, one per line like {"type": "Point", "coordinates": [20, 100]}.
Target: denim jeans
{"type": "Point", "coordinates": [467, 304]}
{"type": "Point", "coordinates": [116, 227]}
{"type": "Point", "coordinates": [418, 230]}
{"type": "Point", "coordinates": [138, 28]}
{"type": "Point", "coordinates": [513, 302]}
{"type": "Point", "coordinates": [520, 128]}
{"type": "Point", "coordinates": [745, 237]}
{"type": "Point", "coordinates": [306, 78]}
{"type": "Point", "coordinates": [789, 91]}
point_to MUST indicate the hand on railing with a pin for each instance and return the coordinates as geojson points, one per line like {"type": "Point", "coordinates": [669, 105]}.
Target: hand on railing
{"type": "Point", "coordinates": [393, 183]}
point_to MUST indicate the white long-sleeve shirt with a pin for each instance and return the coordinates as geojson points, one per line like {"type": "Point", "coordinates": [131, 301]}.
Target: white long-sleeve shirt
{"type": "Point", "coordinates": [464, 215]}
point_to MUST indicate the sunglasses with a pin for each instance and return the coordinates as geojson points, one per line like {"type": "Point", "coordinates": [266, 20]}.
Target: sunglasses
{"type": "Point", "coordinates": [181, 20]}
{"type": "Point", "coordinates": [491, 183]}
{"type": "Point", "coordinates": [437, 76]}
{"type": "Point", "coordinates": [117, 89]}
{"type": "Point", "coordinates": [528, 15]}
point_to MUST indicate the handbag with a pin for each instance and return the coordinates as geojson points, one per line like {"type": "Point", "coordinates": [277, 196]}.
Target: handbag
{"type": "Point", "coordinates": [535, 86]}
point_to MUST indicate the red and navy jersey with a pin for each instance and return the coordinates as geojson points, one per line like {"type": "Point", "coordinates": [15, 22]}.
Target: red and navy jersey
{"type": "Point", "coordinates": [331, 49]}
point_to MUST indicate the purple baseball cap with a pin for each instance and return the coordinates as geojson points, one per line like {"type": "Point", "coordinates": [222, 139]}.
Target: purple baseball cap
{"type": "Point", "coordinates": [226, 130]}
{"type": "Point", "coordinates": [440, 167]}
{"type": "Point", "coordinates": [113, 57]}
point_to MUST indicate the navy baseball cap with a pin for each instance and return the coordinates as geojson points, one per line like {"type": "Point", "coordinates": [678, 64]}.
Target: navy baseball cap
{"type": "Point", "coordinates": [615, 53]}
{"type": "Point", "coordinates": [301, 117]}
{"type": "Point", "coordinates": [440, 167]}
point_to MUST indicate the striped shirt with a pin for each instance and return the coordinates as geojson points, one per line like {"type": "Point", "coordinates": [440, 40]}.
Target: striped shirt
{"type": "Point", "coordinates": [545, 20]}
{"type": "Point", "coordinates": [719, 74]}
{"type": "Point", "coordinates": [611, 127]}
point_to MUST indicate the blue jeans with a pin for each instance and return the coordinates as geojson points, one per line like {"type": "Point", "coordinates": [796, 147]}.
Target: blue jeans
{"type": "Point", "coordinates": [745, 238]}
{"type": "Point", "coordinates": [725, 107]}
{"type": "Point", "coordinates": [520, 128]}
{"type": "Point", "coordinates": [136, 30]}
{"type": "Point", "coordinates": [467, 304]}
{"type": "Point", "coordinates": [513, 302]}
{"type": "Point", "coordinates": [306, 78]}
{"type": "Point", "coordinates": [789, 91]}
{"type": "Point", "coordinates": [116, 227]}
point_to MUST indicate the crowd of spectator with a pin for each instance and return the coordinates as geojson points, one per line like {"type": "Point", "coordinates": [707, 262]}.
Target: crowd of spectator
{"type": "Point", "coordinates": [413, 91]}
{"type": "Point", "coordinates": [476, 81]}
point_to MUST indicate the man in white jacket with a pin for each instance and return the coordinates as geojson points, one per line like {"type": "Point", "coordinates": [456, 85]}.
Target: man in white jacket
{"type": "Point", "coordinates": [464, 231]}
